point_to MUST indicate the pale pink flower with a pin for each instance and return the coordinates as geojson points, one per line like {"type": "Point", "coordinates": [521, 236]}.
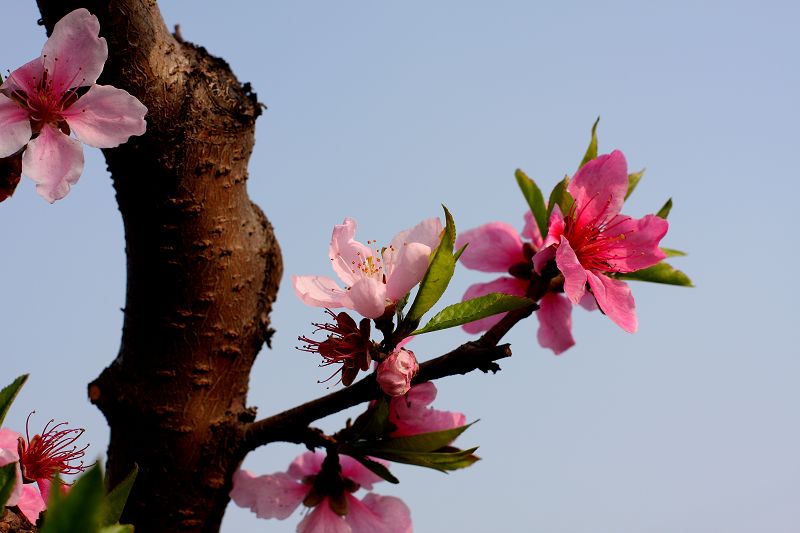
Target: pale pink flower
{"type": "Point", "coordinates": [595, 239]}
{"type": "Point", "coordinates": [374, 279]}
{"type": "Point", "coordinates": [44, 100]}
{"type": "Point", "coordinates": [497, 247]}
{"type": "Point", "coordinates": [395, 373]}
{"type": "Point", "coordinates": [278, 495]}
{"type": "Point", "coordinates": [411, 414]}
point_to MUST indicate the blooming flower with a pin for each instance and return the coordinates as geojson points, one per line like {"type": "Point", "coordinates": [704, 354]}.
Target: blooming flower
{"type": "Point", "coordinates": [594, 239]}
{"type": "Point", "coordinates": [497, 247]}
{"type": "Point", "coordinates": [411, 415]}
{"type": "Point", "coordinates": [374, 280]}
{"type": "Point", "coordinates": [397, 370]}
{"type": "Point", "coordinates": [328, 487]}
{"type": "Point", "coordinates": [44, 100]}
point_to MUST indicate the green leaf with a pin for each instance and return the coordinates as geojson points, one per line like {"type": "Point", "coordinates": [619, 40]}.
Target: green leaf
{"type": "Point", "coordinates": [422, 442]}
{"type": "Point", "coordinates": [672, 252]}
{"type": "Point", "coordinates": [533, 195]}
{"type": "Point", "coordinates": [460, 251]}
{"type": "Point", "coordinates": [8, 478]}
{"type": "Point", "coordinates": [437, 277]}
{"type": "Point", "coordinates": [117, 497]}
{"type": "Point", "coordinates": [117, 528]}
{"type": "Point", "coordinates": [561, 197]}
{"type": "Point", "coordinates": [372, 423]}
{"type": "Point", "coordinates": [471, 310]}
{"type": "Point", "coordinates": [660, 273]}
{"type": "Point", "coordinates": [665, 209]}
{"type": "Point", "coordinates": [591, 151]}
{"type": "Point", "coordinates": [633, 181]}
{"type": "Point", "coordinates": [80, 509]}
{"type": "Point", "coordinates": [8, 394]}
{"type": "Point", "coordinates": [441, 461]}
{"type": "Point", "coordinates": [375, 467]}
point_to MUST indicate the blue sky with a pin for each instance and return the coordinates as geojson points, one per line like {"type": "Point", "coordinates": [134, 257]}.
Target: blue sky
{"type": "Point", "coordinates": [383, 111]}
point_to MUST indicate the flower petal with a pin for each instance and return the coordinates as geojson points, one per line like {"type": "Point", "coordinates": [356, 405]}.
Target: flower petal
{"type": "Point", "coordinates": [542, 257]}
{"type": "Point", "coordinates": [378, 514]}
{"type": "Point", "coordinates": [106, 117]}
{"type": "Point", "coordinates": [273, 496]}
{"type": "Point", "coordinates": [54, 161]}
{"type": "Point", "coordinates": [637, 245]}
{"type": "Point", "coordinates": [574, 273]}
{"type": "Point", "coordinates": [427, 232]}
{"type": "Point", "coordinates": [555, 227]}
{"type": "Point", "coordinates": [31, 503]}
{"type": "Point", "coordinates": [26, 78]}
{"type": "Point", "coordinates": [74, 55]}
{"type": "Point", "coordinates": [322, 519]}
{"type": "Point", "coordinates": [599, 188]}
{"type": "Point", "coordinates": [411, 415]}
{"type": "Point", "coordinates": [369, 297]}
{"type": "Point", "coordinates": [588, 302]}
{"type": "Point", "coordinates": [531, 230]}
{"type": "Point", "coordinates": [555, 323]}
{"type": "Point", "coordinates": [513, 286]}
{"type": "Point", "coordinates": [307, 464]}
{"type": "Point", "coordinates": [359, 473]}
{"type": "Point", "coordinates": [493, 247]}
{"type": "Point", "coordinates": [615, 299]}
{"type": "Point", "coordinates": [320, 291]}
{"type": "Point", "coordinates": [347, 254]}
{"type": "Point", "coordinates": [15, 127]}
{"type": "Point", "coordinates": [9, 446]}
{"type": "Point", "coordinates": [407, 269]}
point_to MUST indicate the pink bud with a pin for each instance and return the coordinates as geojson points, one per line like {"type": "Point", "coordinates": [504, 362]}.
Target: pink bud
{"type": "Point", "coordinates": [396, 371]}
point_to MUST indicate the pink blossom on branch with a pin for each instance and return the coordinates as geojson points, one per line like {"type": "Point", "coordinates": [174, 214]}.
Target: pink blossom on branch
{"type": "Point", "coordinates": [395, 373]}
{"type": "Point", "coordinates": [374, 279]}
{"type": "Point", "coordinates": [48, 98]}
{"type": "Point", "coordinates": [411, 414]}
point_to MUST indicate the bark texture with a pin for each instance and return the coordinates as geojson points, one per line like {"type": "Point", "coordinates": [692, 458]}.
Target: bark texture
{"type": "Point", "coordinates": [203, 270]}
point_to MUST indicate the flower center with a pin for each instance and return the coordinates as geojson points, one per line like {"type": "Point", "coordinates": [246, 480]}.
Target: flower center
{"type": "Point", "coordinates": [597, 241]}
{"type": "Point", "coordinates": [51, 453]}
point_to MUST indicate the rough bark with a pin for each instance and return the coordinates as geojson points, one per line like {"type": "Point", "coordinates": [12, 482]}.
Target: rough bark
{"type": "Point", "coordinates": [203, 270]}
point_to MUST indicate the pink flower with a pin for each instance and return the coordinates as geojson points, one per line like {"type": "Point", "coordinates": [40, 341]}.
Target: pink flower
{"type": "Point", "coordinates": [397, 370]}
{"type": "Point", "coordinates": [328, 487]}
{"type": "Point", "coordinates": [44, 100]}
{"type": "Point", "coordinates": [594, 239]}
{"type": "Point", "coordinates": [374, 280]}
{"type": "Point", "coordinates": [497, 247]}
{"type": "Point", "coordinates": [411, 415]}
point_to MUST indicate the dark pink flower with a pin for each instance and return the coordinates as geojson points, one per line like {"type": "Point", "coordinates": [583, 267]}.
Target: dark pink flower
{"type": "Point", "coordinates": [411, 414]}
{"type": "Point", "coordinates": [594, 239]}
{"type": "Point", "coordinates": [45, 100]}
{"type": "Point", "coordinates": [329, 491]}
{"type": "Point", "coordinates": [397, 370]}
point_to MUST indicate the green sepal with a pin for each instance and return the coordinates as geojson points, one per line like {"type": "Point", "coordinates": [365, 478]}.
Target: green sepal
{"type": "Point", "coordinates": [443, 461]}
{"type": "Point", "coordinates": [80, 509]}
{"type": "Point", "coordinates": [659, 273]}
{"type": "Point", "coordinates": [474, 309]}
{"type": "Point", "coordinates": [665, 209]}
{"type": "Point", "coordinates": [437, 277]}
{"type": "Point", "coordinates": [8, 394]}
{"type": "Point", "coordinates": [372, 423]}
{"type": "Point", "coordinates": [591, 151]}
{"type": "Point", "coordinates": [8, 478]}
{"type": "Point", "coordinates": [375, 467]}
{"type": "Point", "coordinates": [561, 197]}
{"type": "Point", "coordinates": [633, 181]}
{"type": "Point", "coordinates": [671, 252]}
{"type": "Point", "coordinates": [533, 195]}
{"type": "Point", "coordinates": [114, 502]}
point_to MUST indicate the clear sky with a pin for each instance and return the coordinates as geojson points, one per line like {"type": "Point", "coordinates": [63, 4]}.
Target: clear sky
{"type": "Point", "coordinates": [381, 111]}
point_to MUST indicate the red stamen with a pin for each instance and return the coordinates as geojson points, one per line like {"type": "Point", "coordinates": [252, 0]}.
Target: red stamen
{"type": "Point", "coordinates": [51, 453]}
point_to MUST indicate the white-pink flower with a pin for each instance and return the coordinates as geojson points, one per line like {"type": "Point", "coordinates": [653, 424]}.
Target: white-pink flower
{"type": "Point", "coordinates": [25, 496]}
{"type": "Point", "coordinates": [411, 414]}
{"type": "Point", "coordinates": [373, 279]}
{"type": "Point", "coordinates": [46, 99]}
{"type": "Point", "coordinates": [278, 495]}
{"type": "Point", "coordinates": [395, 373]}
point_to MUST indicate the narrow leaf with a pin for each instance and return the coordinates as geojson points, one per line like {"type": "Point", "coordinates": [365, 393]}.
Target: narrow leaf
{"type": "Point", "coordinates": [441, 461]}
{"type": "Point", "coordinates": [533, 195]}
{"type": "Point", "coordinates": [8, 478]}
{"type": "Point", "coordinates": [665, 209]}
{"type": "Point", "coordinates": [422, 442]}
{"type": "Point", "coordinates": [375, 467]}
{"type": "Point", "coordinates": [633, 181]}
{"type": "Point", "coordinates": [475, 309]}
{"type": "Point", "coordinates": [8, 394]}
{"type": "Point", "coordinates": [117, 497]}
{"type": "Point", "coordinates": [80, 509]}
{"type": "Point", "coordinates": [460, 251]}
{"type": "Point", "coordinates": [672, 252]}
{"type": "Point", "coordinates": [591, 151]}
{"type": "Point", "coordinates": [117, 528]}
{"type": "Point", "coordinates": [561, 197]}
{"type": "Point", "coordinates": [660, 273]}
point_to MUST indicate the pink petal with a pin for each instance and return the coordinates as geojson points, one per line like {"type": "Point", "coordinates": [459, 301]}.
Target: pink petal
{"type": "Point", "coordinates": [599, 188]}
{"type": "Point", "coordinates": [637, 245]}
{"type": "Point", "coordinates": [15, 127]}
{"type": "Point", "coordinates": [323, 520]}
{"type": "Point", "coordinates": [542, 257]}
{"type": "Point", "coordinates": [555, 227]}
{"type": "Point", "coordinates": [555, 323]}
{"type": "Point", "coordinates": [9, 446]}
{"type": "Point", "coordinates": [273, 496]}
{"type": "Point", "coordinates": [369, 297]}
{"type": "Point", "coordinates": [106, 117]}
{"type": "Point", "coordinates": [26, 78]}
{"type": "Point", "coordinates": [54, 161]}
{"type": "Point", "coordinates": [615, 299]}
{"type": "Point", "coordinates": [514, 286]}
{"type": "Point", "coordinates": [31, 503]}
{"type": "Point", "coordinates": [307, 464]}
{"type": "Point", "coordinates": [493, 247]}
{"type": "Point", "coordinates": [531, 230]}
{"type": "Point", "coordinates": [574, 273]}
{"type": "Point", "coordinates": [74, 55]}
{"type": "Point", "coordinates": [412, 416]}
{"type": "Point", "coordinates": [427, 232]}
{"type": "Point", "coordinates": [346, 253]}
{"type": "Point", "coordinates": [588, 302]}
{"type": "Point", "coordinates": [407, 268]}
{"type": "Point", "coordinates": [320, 291]}
{"type": "Point", "coordinates": [378, 514]}
{"type": "Point", "coordinates": [359, 473]}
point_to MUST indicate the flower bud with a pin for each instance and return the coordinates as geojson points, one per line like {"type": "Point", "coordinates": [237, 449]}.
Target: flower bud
{"type": "Point", "coordinates": [396, 372]}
